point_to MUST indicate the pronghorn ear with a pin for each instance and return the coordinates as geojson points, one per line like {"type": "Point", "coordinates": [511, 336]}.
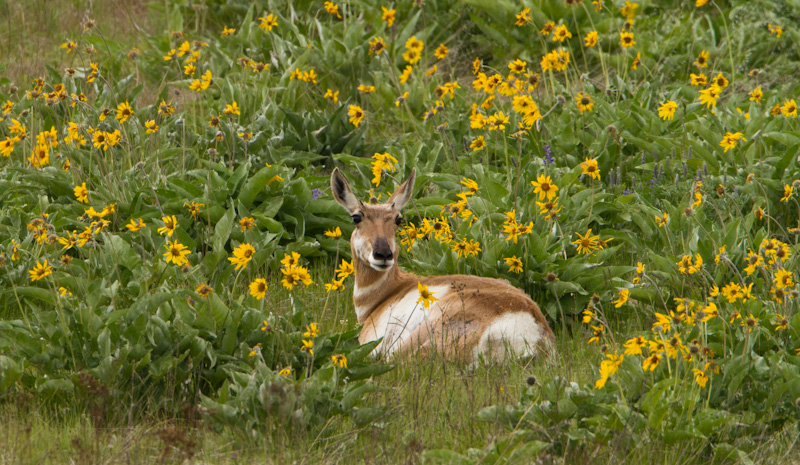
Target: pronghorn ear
{"type": "Point", "coordinates": [402, 195]}
{"type": "Point", "coordinates": [342, 193]}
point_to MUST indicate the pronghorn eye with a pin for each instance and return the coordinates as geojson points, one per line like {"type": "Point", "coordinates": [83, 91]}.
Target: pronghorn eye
{"type": "Point", "coordinates": [356, 218]}
{"type": "Point", "coordinates": [398, 220]}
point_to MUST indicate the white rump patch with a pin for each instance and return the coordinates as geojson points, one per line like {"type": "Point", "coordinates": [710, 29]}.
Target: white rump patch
{"type": "Point", "coordinates": [398, 321]}
{"type": "Point", "coordinates": [518, 332]}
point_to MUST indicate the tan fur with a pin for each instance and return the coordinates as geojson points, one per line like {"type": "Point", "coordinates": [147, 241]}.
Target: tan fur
{"type": "Point", "coordinates": [455, 324]}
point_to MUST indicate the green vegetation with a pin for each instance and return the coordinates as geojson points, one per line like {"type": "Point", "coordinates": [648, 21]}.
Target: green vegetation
{"type": "Point", "coordinates": [176, 277]}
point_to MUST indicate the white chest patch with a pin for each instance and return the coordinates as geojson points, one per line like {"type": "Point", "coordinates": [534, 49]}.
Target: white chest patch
{"type": "Point", "coordinates": [396, 323]}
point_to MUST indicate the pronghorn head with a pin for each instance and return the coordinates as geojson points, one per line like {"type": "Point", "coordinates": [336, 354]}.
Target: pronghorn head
{"type": "Point", "coordinates": [373, 239]}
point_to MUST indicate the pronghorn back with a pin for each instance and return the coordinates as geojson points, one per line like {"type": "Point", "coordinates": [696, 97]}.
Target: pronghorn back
{"type": "Point", "coordinates": [471, 316]}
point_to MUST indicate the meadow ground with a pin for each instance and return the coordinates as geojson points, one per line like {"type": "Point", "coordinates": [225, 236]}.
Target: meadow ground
{"type": "Point", "coordinates": [176, 278]}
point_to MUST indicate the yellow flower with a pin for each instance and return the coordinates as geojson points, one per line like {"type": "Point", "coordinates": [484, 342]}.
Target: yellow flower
{"type": "Point", "coordinates": [242, 255]}
{"type": "Point", "coordinates": [702, 59]}
{"type": "Point", "coordinates": [587, 242]}
{"type": "Point", "coordinates": [608, 367]}
{"type": "Point", "coordinates": [789, 108]}
{"type": "Point", "coordinates": [634, 345]}
{"type": "Point", "coordinates": [584, 102]}
{"type": "Point", "coordinates": [590, 168]}
{"type": "Point", "coordinates": [226, 31]}
{"type": "Point", "coordinates": [514, 264]}
{"type": "Point", "coordinates": [412, 55]}
{"type": "Point", "coordinates": [124, 111]}
{"type": "Point", "coordinates": [639, 272]}
{"type": "Point", "coordinates": [730, 140]}
{"type": "Point", "coordinates": [783, 279]}
{"type": "Point", "coordinates": [732, 292]}
{"type": "Point", "coordinates": [295, 275]}
{"type": "Point", "coordinates": [345, 269]}
{"type": "Point", "coordinates": [561, 33]}
{"type": "Point", "coordinates": [591, 39]}
{"type": "Point", "coordinates": [667, 110]}
{"type": "Point", "coordinates": [339, 360]}
{"type": "Point", "coordinates": [334, 96]}
{"type": "Point", "coordinates": [425, 296]}
{"type": "Point", "coordinates": [69, 46]}
{"type": "Point", "coordinates": [68, 242]}
{"type": "Point", "coordinates": [170, 223]}
{"type": "Point", "coordinates": [290, 260]}
{"type": "Point", "coordinates": [308, 346]}
{"type": "Point", "coordinates": [232, 109]}
{"type": "Point", "coordinates": [626, 39]}
{"type": "Point", "coordinates": [40, 270]}
{"type": "Point", "coordinates": [388, 16]}
{"type": "Point", "coordinates": [441, 52]}
{"type": "Point", "coordinates": [775, 29]}
{"type": "Point", "coordinates": [312, 330]}
{"type": "Point", "coordinates": [203, 83]}
{"type": "Point", "coordinates": [709, 96]}
{"type": "Point", "coordinates": [204, 290]}
{"type": "Point", "coordinates": [637, 61]}
{"type": "Point", "coordinates": [623, 297]}
{"type": "Point", "coordinates": [333, 9]}
{"type": "Point", "coordinates": [597, 333]}
{"type": "Point", "coordinates": [698, 200]}
{"type": "Point", "coordinates": [477, 143]}
{"type": "Point", "coordinates": [406, 74]}
{"type": "Point", "coordinates": [247, 223]}
{"type": "Point", "coordinates": [698, 79]}
{"type": "Point", "coordinates": [651, 362]}
{"type": "Point", "coordinates": [523, 17]}
{"type": "Point", "coordinates": [756, 94]}
{"type": "Point", "coordinates": [356, 114]}
{"type": "Point", "coordinates": [788, 190]}
{"type": "Point", "coordinates": [334, 285]}
{"type": "Point", "coordinates": [256, 350]}
{"type": "Point", "coordinates": [700, 377]}
{"type": "Point", "coordinates": [258, 288]}
{"type": "Point", "coordinates": [720, 81]}
{"type": "Point", "coordinates": [287, 372]}
{"type": "Point", "coordinates": [7, 146]}
{"type": "Point", "coordinates": [335, 232]}
{"type": "Point", "coordinates": [82, 193]}
{"type": "Point", "coordinates": [151, 126]}
{"type": "Point", "coordinates": [40, 156]}
{"type": "Point", "coordinates": [135, 225]}
{"type": "Point", "coordinates": [544, 187]}
{"type": "Point", "coordinates": [268, 22]}
{"type": "Point", "coordinates": [781, 323]}
{"type": "Point", "coordinates": [382, 162]}
{"type": "Point", "coordinates": [176, 253]}
{"type": "Point", "coordinates": [628, 11]}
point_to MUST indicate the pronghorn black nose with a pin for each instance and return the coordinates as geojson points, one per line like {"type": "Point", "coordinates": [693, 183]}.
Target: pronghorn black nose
{"type": "Point", "coordinates": [381, 250]}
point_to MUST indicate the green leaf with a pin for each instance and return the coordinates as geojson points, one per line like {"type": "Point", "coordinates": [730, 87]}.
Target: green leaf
{"type": "Point", "coordinates": [222, 230]}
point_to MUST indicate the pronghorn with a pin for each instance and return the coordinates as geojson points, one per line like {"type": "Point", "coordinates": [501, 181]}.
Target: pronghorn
{"type": "Point", "coordinates": [472, 315]}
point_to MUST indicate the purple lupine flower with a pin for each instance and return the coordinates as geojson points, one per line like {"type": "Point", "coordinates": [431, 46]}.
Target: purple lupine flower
{"type": "Point", "coordinates": [315, 193]}
{"type": "Point", "coordinates": [548, 158]}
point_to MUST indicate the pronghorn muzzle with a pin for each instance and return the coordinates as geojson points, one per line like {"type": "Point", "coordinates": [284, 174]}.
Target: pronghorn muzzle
{"type": "Point", "coordinates": [381, 250]}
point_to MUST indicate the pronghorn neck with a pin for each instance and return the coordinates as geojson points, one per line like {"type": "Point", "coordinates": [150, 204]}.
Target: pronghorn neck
{"type": "Point", "coordinates": [374, 287]}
